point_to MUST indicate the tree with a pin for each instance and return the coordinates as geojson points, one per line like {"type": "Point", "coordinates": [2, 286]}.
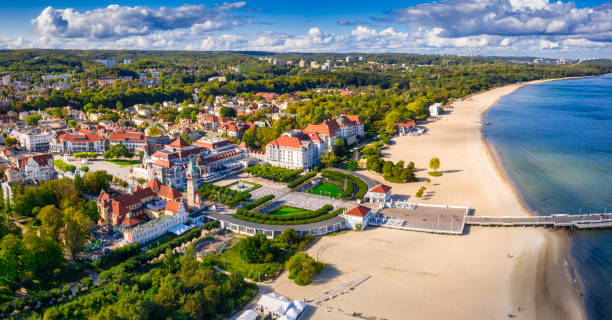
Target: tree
{"type": "Point", "coordinates": [154, 131]}
{"type": "Point", "coordinates": [52, 221]}
{"type": "Point", "coordinates": [33, 119]}
{"type": "Point", "coordinates": [329, 159]}
{"type": "Point", "coordinates": [227, 112]}
{"type": "Point", "coordinates": [77, 227]}
{"type": "Point", "coordinates": [255, 249]}
{"type": "Point", "coordinates": [434, 164]}
{"type": "Point", "coordinates": [15, 261]}
{"type": "Point", "coordinates": [118, 151]}
{"type": "Point", "coordinates": [72, 124]}
{"type": "Point", "coordinates": [351, 165]}
{"type": "Point", "coordinates": [302, 267]}
{"type": "Point", "coordinates": [10, 141]}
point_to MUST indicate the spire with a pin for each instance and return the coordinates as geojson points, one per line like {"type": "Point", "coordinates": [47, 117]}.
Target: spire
{"type": "Point", "coordinates": [191, 169]}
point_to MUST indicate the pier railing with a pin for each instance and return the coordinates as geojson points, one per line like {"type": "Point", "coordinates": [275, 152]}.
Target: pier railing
{"type": "Point", "coordinates": [581, 221]}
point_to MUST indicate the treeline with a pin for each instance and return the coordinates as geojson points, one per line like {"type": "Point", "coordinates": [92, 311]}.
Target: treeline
{"type": "Point", "coordinates": [267, 171]}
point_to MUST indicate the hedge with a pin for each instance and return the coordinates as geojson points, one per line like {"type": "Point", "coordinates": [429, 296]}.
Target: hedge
{"type": "Point", "coordinates": [267, 171]}
{"type": "Point", "coordinates": [340, 177]}
{"type": "Point", "coordinates": [64, 166]}
{"type": "Point", "coordinates": [258, 202]}
{"type": "Point", "coordinates": [323, 217]}
{"type": "Point", "coordinates": [302, 179]}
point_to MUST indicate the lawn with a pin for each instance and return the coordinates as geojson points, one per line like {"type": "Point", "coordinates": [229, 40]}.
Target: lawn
{"type": "Point", "coordinates": [286, 210]}
{"type": "Point", "coordinates": [327, 189]}
{"type": "Point", "coordinates": [123, 162]}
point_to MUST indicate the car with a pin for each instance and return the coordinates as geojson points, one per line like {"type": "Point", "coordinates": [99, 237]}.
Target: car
{"type": "Point", "coordinates": [95, 257]}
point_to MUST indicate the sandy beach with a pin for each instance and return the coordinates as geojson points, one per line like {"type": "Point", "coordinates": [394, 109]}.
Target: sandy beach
{"type": "Point", "coordinates": [486, 274]}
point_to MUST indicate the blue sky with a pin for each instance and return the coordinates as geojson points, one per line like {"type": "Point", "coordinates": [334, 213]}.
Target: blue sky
{"type": "Point", "coordinates": [486, 27]}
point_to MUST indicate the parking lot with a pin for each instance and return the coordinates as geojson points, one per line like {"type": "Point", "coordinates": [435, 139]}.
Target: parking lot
{"type": "Point", "coordinates": [109, 240]}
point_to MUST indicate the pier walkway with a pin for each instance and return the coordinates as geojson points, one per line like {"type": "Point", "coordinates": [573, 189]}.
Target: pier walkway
{"type": "Point", "coordinates": [579, 221]}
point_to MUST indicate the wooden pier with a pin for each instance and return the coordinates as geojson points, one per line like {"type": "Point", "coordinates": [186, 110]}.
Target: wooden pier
{"type": "Point", "coordinates": [579, 221]}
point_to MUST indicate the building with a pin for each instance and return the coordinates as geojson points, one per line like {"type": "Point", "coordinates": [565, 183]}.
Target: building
{"type": "Point", "coordinates": [82, 141]}
{"type": "Point", "coordinates": [175, 214]}
{"type": "Point", "coordinates": [219, 158]}
{"type": "Point", "coordinates": [378, 194]}
{"type": "Point", "coordinates": [247, 315]}
{"type": "Point", "coordinates": [358, 216]}
{"type": "Point", "coordinates": [350, 127]}
{"type": "Point", "coordinates": [169, 164]}
{"type": "Point", "coordinates": [296, 150]}
{"type": "Point", "coordinates": [6, 80]}
{"type": "Point", "coordinates": [34, 168]}
{"type": "Point", "coordinates": [139, 204]}
{"type": "Point", "coordinates": [132, 140]}
{"type": "Point", "coordinates": [278, 307]}
{"type": "Point", "coordinates": [34, 140]}
{"type": "Point", "coordinates": [106, 63]}
{"type": "Point", "coordinates": [156, 143]}
{"type": "Point", "coordinates": [128, 61]}
{"type": "Point", "coordinates": [349, 59]}
{"type": "Point", "coordinates": [329, 128]}
{"type": "Point", "coordinates": [435, 109]}
{"type": "Point", "coordinates": [405, 126]}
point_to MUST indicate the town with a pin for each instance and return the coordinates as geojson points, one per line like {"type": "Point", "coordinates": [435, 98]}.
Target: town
{"type": "Point", "coordinates": [125, 170]}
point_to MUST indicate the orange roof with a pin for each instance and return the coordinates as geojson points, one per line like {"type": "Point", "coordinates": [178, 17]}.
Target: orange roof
{"type": "Point", "coordinates": [380, 188]}
{"type": "Point", "coordinates": [406, 123]}
{"type": "Point", "coordinates": [132, 136]}
{"type": "Point", "coordinates": [358, 211]}
{"type": "Point", "coordinates": [41, 159]}
{"type": "Point", "coordinates": [285, 141]}
{"type": "Point", "coordinates": [130, 221]}
{"type": "Point", "coordinates": [329, 128]}
{"type": "Point", "coordinates": [173, 206]}
{"type": "Point", "coordinates": [154, 185]}
{"type": "Point", "coordinates": [167, 192]}
{"type": "Point", "coordinates": [179, 143]}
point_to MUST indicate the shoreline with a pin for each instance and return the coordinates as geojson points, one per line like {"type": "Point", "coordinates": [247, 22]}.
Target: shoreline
{"type": "Point", "coordinates": [573, 273]}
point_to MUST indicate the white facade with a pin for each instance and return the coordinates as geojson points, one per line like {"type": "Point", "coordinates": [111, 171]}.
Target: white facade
{"type": "Point", "coordinates": [157, 227]}
{"type": "Point", "coordinates": [77, 142]}
{"type": "Point", "coordinates": [33, 141]}
{"type": "Point", "coordinates": [33, 168]}
{"type": "Point", "coordinates": [435, 109]}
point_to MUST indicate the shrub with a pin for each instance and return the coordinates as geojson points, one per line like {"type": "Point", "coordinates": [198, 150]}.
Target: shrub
{"type": "Point", "coordinates": [435, 173]}
{"type": "Point", "coordinates": [64, 166]}
{"type": "Point", "coordinates": [302, 267]}
{"type": "Point", "coordinates": [302, 179]}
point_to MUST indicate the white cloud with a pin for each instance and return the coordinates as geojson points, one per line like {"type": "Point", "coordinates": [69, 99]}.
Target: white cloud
{"type": "Point", "coordinates": [117, 21]}
{"type": "Point", "coordinates": [459, 18]}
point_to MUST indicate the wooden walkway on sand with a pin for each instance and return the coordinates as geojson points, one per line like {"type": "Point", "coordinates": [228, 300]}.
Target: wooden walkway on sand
{"type": "Point", "coordinates": [579, 221]}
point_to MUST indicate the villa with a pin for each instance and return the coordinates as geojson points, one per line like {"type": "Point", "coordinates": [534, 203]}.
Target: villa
{"type": "Point", "coordinates": [358, 217]}
{"type": "Point", "coordinates": [379, 194]}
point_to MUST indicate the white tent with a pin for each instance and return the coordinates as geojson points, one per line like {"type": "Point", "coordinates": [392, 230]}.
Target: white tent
{"type": "Point", "coordinates": [248, 315]}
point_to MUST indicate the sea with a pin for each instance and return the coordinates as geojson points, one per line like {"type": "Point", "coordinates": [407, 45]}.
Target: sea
{"type": "Point", "coordinates": [554, 141]}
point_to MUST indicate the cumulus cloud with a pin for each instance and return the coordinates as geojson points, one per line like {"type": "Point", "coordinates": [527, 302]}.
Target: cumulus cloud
{"type": "Point", "coordinates": [117, 21]}
{"type": "Point", "coordinates": [458, 18]}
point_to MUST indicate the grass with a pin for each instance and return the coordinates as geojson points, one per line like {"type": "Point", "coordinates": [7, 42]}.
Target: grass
{"type": "Point", "coordinates": [123, 162]}
{"type": "Point", "coordinates": [287, 210]}
{"type": "Point", "coordinates": [326, 189]}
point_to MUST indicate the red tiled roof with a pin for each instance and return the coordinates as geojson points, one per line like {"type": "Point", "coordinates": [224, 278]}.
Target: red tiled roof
{"type": "Point", "coordinates": [329, 128]}
{"type": "Point", "coordinates": [168, 193]}
{"type": "Point", "coordinates": [179, 143]}
{"type": "Point", "coordinates": [285, 141]}
{"type": "Point", "coordinates": [130, 221]}
{"type": "Point", "coordinates": [154, 185]}
{"type": "Point", "coordinates": [406, 123]}
{"type": "Point", "coordinates": [173, 206]}
{"type": "Point", "coordinates": [41, 159]}
{"type": "Point", "coordinates": [358, 210]}
{"type": "Point", "coordinates": [131, 136]}
{"type": "Point", "coordinates": [354, 118]}
{"type": "Point", "coordinates": [380, 188]}
{"type": "Point", "coordinates": [79, 137]}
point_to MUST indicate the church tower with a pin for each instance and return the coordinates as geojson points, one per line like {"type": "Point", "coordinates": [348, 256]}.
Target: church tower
{"type": "Point", "coordinates": [192, 184]}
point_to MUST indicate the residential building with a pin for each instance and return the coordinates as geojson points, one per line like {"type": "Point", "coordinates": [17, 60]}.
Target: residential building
{"type": "Point", "coordinates": [132, 140]}
{"type": "Point", "coordinates": [405, 126]}
{"type": "Point", "coordinates": [106, 63]}
{"type": "Point", "coordinates": [156, 143]}
{"type": "Point", "coordinates": [82, 141]}
{"type": "Point", "coordinates": [349, 59]}
{"type": "Point", "coordinates": [378, 194]}
{"type": "Point", "coordinates": [6, 80]}
{"type": "Point", "coordinates": [175, 214]}
{"type": "Point", "coordinates": [33, 168]}
{"type": "Point", "coordinates": [350, 126]}
{"type": "Point", "coordinates": [329, 128]}
{"type": "Point", "coordinates": [358, 216]}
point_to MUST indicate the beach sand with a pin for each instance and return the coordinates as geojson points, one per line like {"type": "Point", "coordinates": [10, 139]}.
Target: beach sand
{"type": "Point", "coordinates": [486, 274]}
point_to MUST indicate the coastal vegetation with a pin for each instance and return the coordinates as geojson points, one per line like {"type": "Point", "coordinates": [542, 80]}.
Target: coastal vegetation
{"type": "Point", "coordinates": [302, 267]}
{"type": "Point", "coordinates": [419, 193]}
{"type": "Point", "coordinates": [391, 172]}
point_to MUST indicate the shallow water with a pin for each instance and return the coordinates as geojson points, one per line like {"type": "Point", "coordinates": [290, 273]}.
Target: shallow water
{"type": "Point", "coordinates": [554, 140]}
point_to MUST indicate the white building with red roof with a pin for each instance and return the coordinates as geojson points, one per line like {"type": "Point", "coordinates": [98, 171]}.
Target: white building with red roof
{"type": "Point", "coordinates": [175, 213]}
{"type": "Point", "coordinates": [83, 141]}
{"type": "Point", "coordinates": [130, 139]}
{"type": "Point", "coordinates": [32, 168]}
{"type": "Point", "coordinates": [296, 150]}
{"type": "Point", "coordinates": [358, 216]}
{"type": "Point", "coordinates": [378, 194]}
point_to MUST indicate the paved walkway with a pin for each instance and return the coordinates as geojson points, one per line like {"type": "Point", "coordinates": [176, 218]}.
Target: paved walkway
{"type": "Point", "coordinates": [369, 181]}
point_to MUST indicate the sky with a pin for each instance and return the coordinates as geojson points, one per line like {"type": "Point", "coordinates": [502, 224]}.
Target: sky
{"type": "Point", "coordinates": [542, 28]}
